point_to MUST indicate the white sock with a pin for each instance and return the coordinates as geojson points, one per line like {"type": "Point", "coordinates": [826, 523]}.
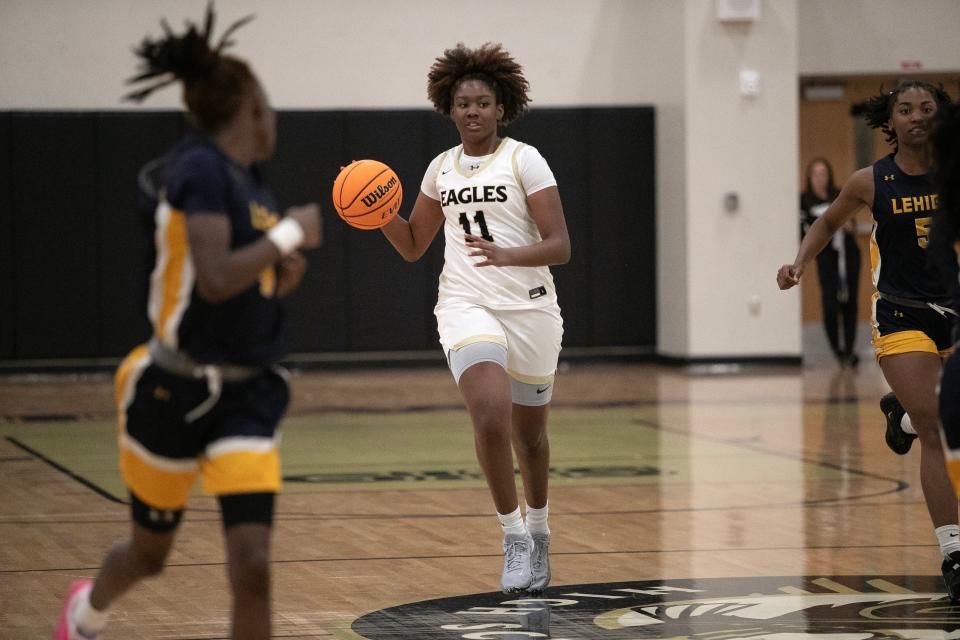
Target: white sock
{"type": "Point", "coordinates": [512, 522]}
{"type": "Point", "coordinates": [949, 538]}
{"type": "Point", "coordinates": [537, 519]}
{"type": "Point", "coordinates": [906, 425]}
{"type": "Point", "coordinates": [89, 620]}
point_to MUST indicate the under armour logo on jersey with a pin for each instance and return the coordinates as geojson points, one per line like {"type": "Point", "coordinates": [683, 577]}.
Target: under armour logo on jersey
{"type": "Point", "coordinates": [889, 177]}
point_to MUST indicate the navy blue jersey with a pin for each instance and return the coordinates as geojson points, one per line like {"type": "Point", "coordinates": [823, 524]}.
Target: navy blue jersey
{"type": "Point", "coordinates": [903, 208]}
{"type": "Point", "coordinates": [246, 329]}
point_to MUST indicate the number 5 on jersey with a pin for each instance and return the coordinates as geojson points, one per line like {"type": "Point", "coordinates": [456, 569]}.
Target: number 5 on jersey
{"type": "Point", "coordinates": [923, 230]}
{"type": "Point", "coordinates": [479, 219]}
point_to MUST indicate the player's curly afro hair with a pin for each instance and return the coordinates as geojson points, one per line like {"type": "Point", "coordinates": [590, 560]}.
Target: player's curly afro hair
{"type": "Point", "coordinates": [492, 65]}
{"type": "Point", "coordinates": [878, 109]}
{"type": "Point", "coordinates": [214, 84]}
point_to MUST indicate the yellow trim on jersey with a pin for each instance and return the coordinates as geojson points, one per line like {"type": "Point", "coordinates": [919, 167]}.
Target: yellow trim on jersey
{"type": "Point", "coordinates": [874, 257]}
{"type": "Point", "coordinates": [486, 163]}
{"type": "Point", "coordinates": [122, 387]}
{"type": "Point", "coordinates": [174, 250]}
{"type": "Point", "coordinates": [242, 472]}
{"type": "Point", "coordinates": [519, 377]}
{"type": "Point", "coordinates": [496, 339]}
{"type": "Point", "coordinates": [516, 171]}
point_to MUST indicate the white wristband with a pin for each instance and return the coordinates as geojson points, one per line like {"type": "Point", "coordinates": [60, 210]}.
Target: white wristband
{"type": "Point", "coordinates": [287, 235]}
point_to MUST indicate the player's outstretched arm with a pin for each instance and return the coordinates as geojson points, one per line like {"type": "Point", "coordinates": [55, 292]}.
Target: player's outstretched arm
{"type": "Point", "coordinates": [411, 238]}
{"type": "Point", "coordinates": [856, 193]}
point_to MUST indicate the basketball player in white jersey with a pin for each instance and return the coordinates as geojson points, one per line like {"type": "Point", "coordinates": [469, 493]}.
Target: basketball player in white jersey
{"type": "Point", "coordinates": [497, 312]}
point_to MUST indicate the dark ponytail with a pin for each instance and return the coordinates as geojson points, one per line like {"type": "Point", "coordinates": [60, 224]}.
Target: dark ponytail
{"type": "Point", "coordinates": [214, 84]}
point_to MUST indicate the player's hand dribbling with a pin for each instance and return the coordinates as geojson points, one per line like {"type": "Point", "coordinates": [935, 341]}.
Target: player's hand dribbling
{"type": "Point", "coordinates": [788, 276]}
{"type": "Point", "coordinates": [493, 256]}
{"type": "Point", "coordinates": [308, 216]}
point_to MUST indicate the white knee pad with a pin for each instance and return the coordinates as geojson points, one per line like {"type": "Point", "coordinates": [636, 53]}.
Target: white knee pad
{"type": "Point", "coordinates": [531, 395]}
{"type": "Point", "coordinates": [475, 353]}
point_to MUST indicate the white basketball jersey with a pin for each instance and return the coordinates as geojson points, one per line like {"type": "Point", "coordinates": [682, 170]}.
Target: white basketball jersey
{"type": "Point", "coordinates": [488, 200]}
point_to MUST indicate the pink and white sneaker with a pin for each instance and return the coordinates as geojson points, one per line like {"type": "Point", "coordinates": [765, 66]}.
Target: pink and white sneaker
{"type": "Point", "coordinates": [66, 629]}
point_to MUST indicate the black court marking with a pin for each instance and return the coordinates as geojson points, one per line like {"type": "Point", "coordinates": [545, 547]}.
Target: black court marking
{"type": "Point", "coordinates": [794, 607]}
{"type": "Point", "coordinates": [438, 475]}
{"type": "Point", "coordinates": [50, 417]}
{"type": "Point", "coordinates": [497, 556]}
{"type": "Point", "coordinates": [67, 472]}
{"type": "Point", "coordinates": [416, 408]}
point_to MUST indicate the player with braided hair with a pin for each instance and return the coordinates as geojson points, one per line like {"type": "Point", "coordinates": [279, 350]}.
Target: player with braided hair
{"type": "Point", "coordinates": [911, 307]}
{"type": "Point", "coordinates": [497, 313]}
{"type": "Point", "coordinates": [204, 397]}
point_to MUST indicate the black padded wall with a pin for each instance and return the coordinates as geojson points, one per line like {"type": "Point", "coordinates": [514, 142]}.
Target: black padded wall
{"type": "Point", "coordinates": [54, 176]}
{"type": "Point", "coordinates": [124, 245]}
{"type": "Point", "coordinates": [309, 152]}
{"type": "Point", "coordinates": [74, 255]}
{"type": "Point", "coordinates": [622, 232]}
{"type": "Point", "coordinates": [389, 298]}
{"type": "Point", "coordinates": [8, 262]}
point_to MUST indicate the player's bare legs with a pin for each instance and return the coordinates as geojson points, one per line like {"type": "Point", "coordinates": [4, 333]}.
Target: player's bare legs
{"type": "Point", "coordinates": [248, 558]}
{"type": "Point", "coordinates": [486, 392]}
{"type": "Point", "coordinates": [85, 609]}
{"type": "Point", "coordinates": [914, 377]}
{"type": "Point", "coordinates": [532, 447]}
{"type": "Point", "coordinates": [530, 442]}
{"type": "Point", "coordinates": [128, 562]}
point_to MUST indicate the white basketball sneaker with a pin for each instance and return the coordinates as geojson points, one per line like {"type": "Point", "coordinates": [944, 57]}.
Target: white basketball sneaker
{"type": "Point", "coordinates": [516, 562]}
{"type": "Point", "coordinates": [540, 562]}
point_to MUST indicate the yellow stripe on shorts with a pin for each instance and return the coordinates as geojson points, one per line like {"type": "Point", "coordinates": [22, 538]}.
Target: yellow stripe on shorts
{"type": "Point", "coordinates": [241, 465]}
{"type": "Point", "coordinates": [903, 342]}
{"type": "Point", "coordinates": [159, 488]}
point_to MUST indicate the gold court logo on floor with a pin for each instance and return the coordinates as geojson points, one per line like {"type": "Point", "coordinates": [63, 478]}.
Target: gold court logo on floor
{"type": "Point", "coordinates": [764, 608]}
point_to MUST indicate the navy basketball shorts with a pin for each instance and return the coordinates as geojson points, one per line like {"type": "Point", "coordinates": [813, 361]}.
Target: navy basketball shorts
{"type": "Point", "coordinates": [233, 446]}
{"type": "Point", "coordinates": [901, 329]}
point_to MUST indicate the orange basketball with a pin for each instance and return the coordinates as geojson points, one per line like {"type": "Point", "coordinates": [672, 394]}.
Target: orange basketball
{"type": "Point", "coordinates": [367, 194]}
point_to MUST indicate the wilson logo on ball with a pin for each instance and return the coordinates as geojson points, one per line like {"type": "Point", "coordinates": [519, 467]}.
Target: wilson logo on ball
{"type": "Point", "coordinates": [367, 194]}
{"type": "Point", "coordinates": [379, 192]}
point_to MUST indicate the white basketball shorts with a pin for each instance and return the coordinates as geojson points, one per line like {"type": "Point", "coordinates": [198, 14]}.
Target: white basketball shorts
{"type": "Point", "coordinates": [532, 337]}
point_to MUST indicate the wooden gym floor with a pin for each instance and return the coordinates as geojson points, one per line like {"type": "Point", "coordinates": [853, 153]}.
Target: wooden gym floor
{"type": "Point", "coordinates": [660, 474]}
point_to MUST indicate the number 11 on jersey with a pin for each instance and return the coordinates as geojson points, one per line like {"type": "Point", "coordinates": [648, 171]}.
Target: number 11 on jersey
{"type": "Point", "coordinates": [479, 219]}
